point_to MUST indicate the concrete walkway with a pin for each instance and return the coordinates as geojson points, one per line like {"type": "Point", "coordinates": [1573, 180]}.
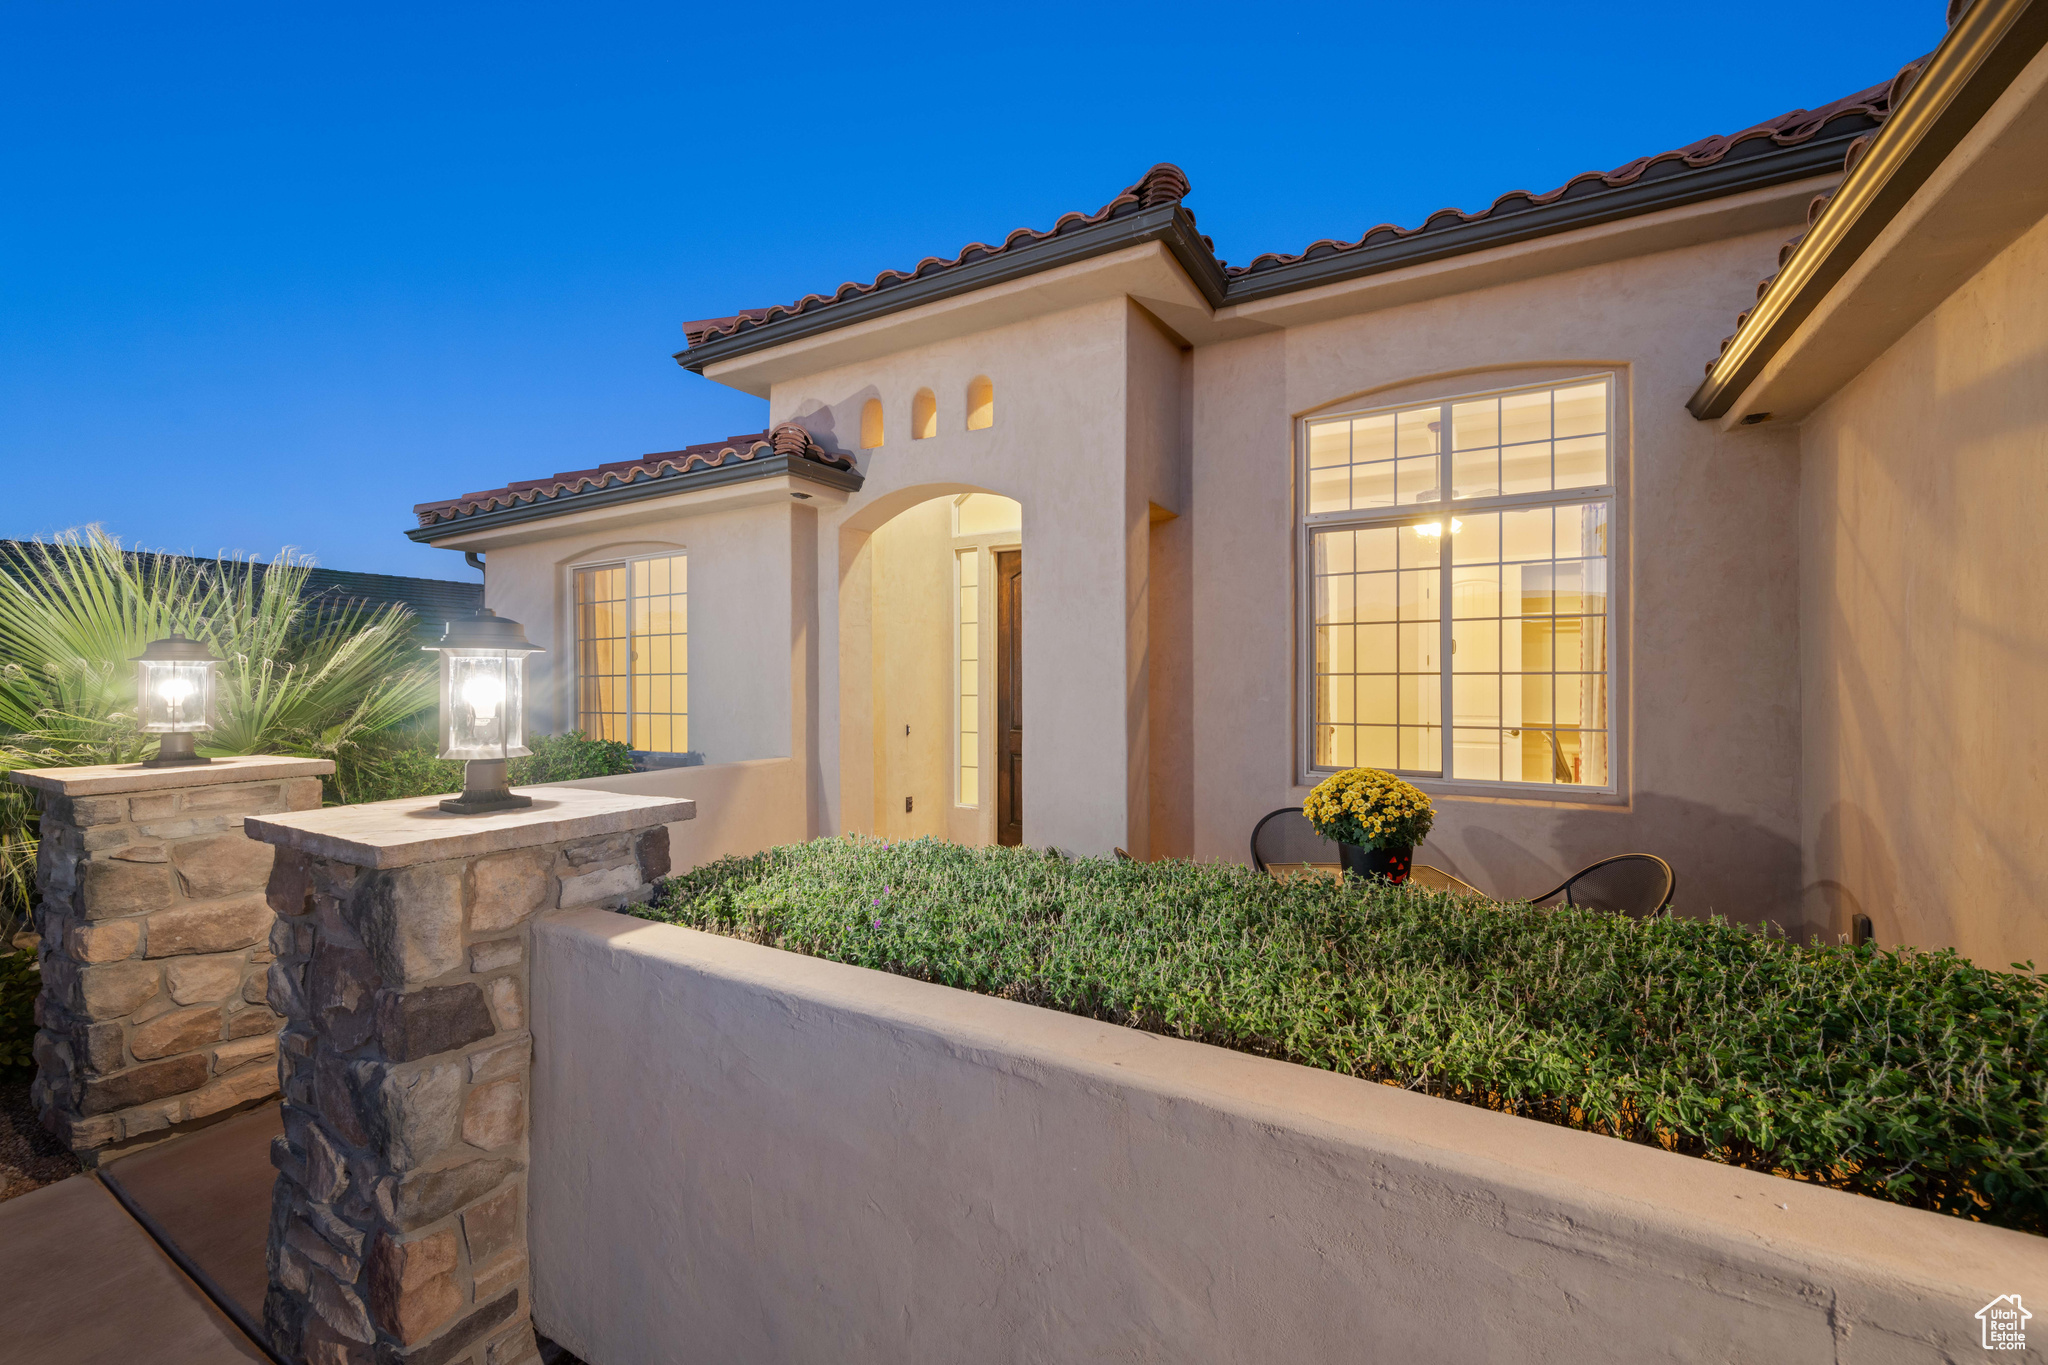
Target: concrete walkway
{"type": "Point", "coordinates": [158, 1259]}
{"type": "Point", "coordinates": [206, 1199]}
{"type": "Point", "coordinates": [87, 1286]}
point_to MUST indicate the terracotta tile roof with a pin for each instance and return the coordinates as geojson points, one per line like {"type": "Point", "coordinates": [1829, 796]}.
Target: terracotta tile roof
{"type": "Point", "coordinates": [787, 439]}
{"type": "Point", "coordinates": [1163, 184]}
{"type": "Point", "coordinates": [1168, 184]}
{"type": "Point", "coordinates": [1879, 100]}
{"type": "Point", "coordinates": [1786, 130]}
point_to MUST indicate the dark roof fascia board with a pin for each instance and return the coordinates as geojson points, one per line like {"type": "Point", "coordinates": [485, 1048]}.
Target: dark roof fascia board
{"type": "Point", "coordinates": [1168, 223]}
{"type": "Point", "coordinates": [1982, 55]}
{"type": "Point", "coordinates": [764, 467]}
{"type": "Point", "coordinates": [1733, 174]}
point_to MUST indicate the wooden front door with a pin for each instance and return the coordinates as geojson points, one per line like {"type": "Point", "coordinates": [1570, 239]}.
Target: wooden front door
{"type": "Point", "coordinates": [1009, 697]}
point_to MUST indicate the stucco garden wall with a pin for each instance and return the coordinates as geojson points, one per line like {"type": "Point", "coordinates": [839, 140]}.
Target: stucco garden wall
{"type": "Point", "coordinates": [743, 1154]}
{"type": "Point", "coordinates": [1926, 647]}
{"type": "Point", "coordinates": [1706, 581]}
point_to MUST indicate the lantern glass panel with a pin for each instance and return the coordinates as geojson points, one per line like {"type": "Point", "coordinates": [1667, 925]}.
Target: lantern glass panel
{"type": "Point", "coordinates": [174, 696]}
{"type": "Point", "coordinates": [483, 704]}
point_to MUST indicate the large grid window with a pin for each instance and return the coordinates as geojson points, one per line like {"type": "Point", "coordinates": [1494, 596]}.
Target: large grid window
{"type": "Point", "coordinates": [633, 653]}
{"type": "Point", "coordinates": [967, 630]}
{"type": "Point", "coordinates": [1519, 662]}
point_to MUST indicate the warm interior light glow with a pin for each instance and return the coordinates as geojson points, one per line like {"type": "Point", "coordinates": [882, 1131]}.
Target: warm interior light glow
{"type": "Point", "coordinates": [1436, 528]}
{"type": "Point", "coordinates": [981, 404]}
{"type": "Point", "coordinates": [484, 694]}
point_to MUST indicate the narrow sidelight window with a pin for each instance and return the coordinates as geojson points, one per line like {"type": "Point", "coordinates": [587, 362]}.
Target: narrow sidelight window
{"type": "Point", "coordinates": [967, 630]}
{"type": "Point", "coordinates": [1458, 587]}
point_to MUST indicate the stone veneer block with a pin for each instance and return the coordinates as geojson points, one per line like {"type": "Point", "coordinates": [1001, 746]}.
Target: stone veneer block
{"type": "Point", "coordinates": [155, 944]}
{"type": "Point", "coordinates": [399, 1214]}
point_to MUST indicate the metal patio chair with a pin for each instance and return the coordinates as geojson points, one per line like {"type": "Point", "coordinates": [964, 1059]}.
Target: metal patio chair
{"type": "Point", "coordinates": [1285, 837]}
{"type": "Point", "coordinates": [1627, 883]}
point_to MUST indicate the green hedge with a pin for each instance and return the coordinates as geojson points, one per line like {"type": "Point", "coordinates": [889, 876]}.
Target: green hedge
{"type": "Point", "coordinates": [1909, 1076]}
{"type": "Point", "coordinates": [410, 769]}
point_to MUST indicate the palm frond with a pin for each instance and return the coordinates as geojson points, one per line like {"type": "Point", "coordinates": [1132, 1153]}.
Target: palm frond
{"type": "Point", "coordinates": [307, 677]}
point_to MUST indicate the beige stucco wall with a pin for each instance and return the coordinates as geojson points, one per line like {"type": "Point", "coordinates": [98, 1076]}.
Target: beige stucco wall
{"type": "Point", "coordinates": [1161, 619]}
{"type": "Point", "coordinates": [1706, 576]}
{"type": "Point", "coordinates": [744, 619]}
{"type": "Point", "coordinates": [1058, 446]}
{"type": "Point", "coordinates": [1925, 652]}
{"type": "Point", "coordinates": [912, 582]}
{"type": "Point", "coordinates": [740, 1154]}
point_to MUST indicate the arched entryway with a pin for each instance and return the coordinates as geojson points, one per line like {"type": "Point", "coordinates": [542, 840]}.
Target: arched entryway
{"type": "Point", "coordinates": [931, 619]}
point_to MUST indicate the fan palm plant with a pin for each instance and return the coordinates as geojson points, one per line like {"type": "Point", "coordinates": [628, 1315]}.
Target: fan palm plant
{"type": "Point", "coordinates": [299, 676]}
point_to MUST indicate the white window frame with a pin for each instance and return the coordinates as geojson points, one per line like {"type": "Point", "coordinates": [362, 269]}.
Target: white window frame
{"type": "Point", "coordinates": [1612, 493]}
{"type": "Point", "coordinates": [575, 635]}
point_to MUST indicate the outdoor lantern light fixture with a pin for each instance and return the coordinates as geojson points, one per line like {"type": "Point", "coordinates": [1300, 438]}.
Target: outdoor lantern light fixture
{"type": "Point", "coordinates": [483, 707]}
{"type": "Point", "coordinates": [174, 697]}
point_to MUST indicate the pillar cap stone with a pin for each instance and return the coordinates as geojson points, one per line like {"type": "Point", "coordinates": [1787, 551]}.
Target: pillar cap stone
{"type": "Point", "coordinates": [113, 779]}
{"type": "Point", "coordinates": [388, 834]}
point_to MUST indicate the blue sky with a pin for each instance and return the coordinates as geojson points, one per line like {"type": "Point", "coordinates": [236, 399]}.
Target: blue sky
{"type": "Point", "coordinates": [271, 274]}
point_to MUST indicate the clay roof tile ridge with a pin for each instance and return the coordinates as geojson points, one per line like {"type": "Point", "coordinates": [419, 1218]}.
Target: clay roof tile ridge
{"type": "Point", "coordinates": [1788, 129]}
{"type": "Point", "coordinates": [784, 439]}
{"type": "Point", "coordinates": [1164, 183]}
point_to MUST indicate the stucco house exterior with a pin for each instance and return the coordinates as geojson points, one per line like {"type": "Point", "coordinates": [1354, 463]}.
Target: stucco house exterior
{"type": "Point", "coordinates": [1781, 627]}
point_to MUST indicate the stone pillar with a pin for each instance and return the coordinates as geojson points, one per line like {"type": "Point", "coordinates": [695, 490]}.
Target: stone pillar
{"type": "Point", "coordinates": [155, 945]}
{"type": "Point", "coordinates": [398, 1227]}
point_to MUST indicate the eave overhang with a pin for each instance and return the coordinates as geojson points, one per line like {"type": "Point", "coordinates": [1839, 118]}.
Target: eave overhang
{"type": "Point", "coordinates": [1668, 185]}
{"type": "Point", "coordinates": [1982, 55]}
{"type": "Point", "coordinates": [794, 468]}
{"type": "Point", "coordinates": [1169, 224]}
{"type": "Point", "coordinates": [1749, 167]}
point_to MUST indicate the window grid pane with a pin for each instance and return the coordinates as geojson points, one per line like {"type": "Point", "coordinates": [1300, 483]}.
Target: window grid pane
{"type": "Point", "coordinates": [601, 638]}
{"type": "Point", "coordinates": [632, 648]}
{"type": "Point", "coordinates": [1377, 683]}
{"type": "Point", "coordinates": [1527, 630]}
{"type": "Point", "coordinates": [1529, 691]}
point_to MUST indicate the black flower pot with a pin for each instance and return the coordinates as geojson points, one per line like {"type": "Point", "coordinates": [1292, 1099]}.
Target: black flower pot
{"type": "Point", "coordinates": [1383, 864]}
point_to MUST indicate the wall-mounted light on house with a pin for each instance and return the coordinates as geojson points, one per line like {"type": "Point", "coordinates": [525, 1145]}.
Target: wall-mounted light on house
{"type": "Point", "coordinates": [483, 707]}
{"type": "Point", "coordinates": [174, 698]}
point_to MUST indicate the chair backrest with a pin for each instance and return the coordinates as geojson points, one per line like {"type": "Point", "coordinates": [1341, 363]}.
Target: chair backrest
{"type": "Point", "coordinates": [1628, 883]}
{"type": "Point", "coordinates": [1286, 836]}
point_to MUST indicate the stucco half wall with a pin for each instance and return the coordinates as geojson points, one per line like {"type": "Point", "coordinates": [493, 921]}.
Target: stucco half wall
{"type": "Point", "coordinates": [741, 1154]}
